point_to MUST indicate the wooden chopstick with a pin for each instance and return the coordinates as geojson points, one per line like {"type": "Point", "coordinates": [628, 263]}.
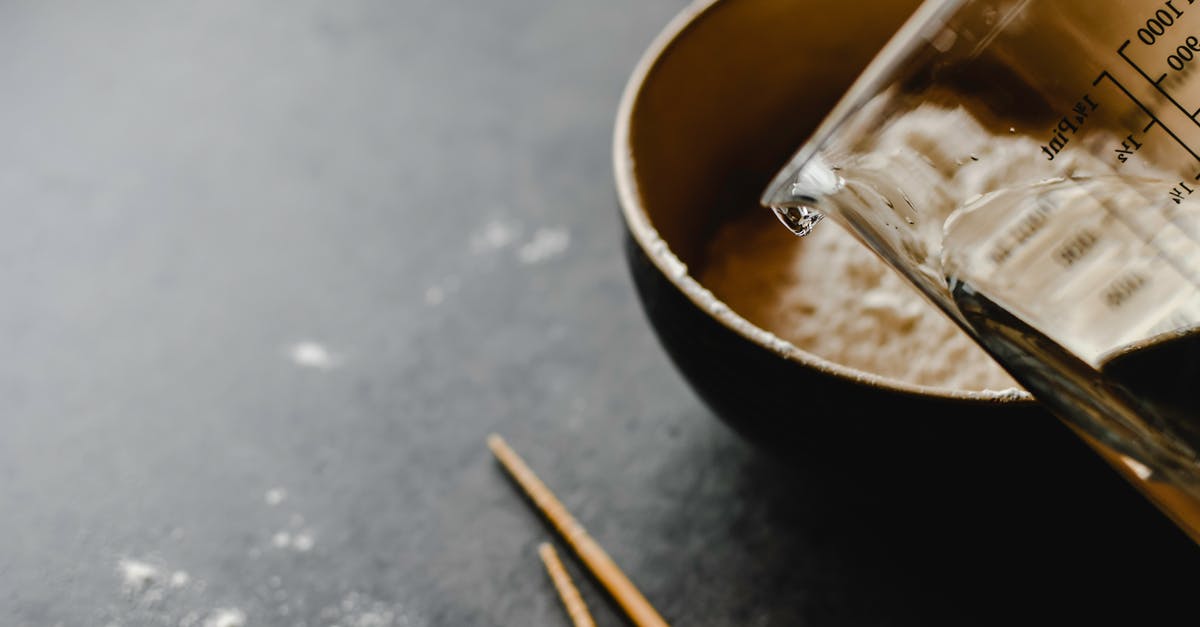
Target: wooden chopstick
{"type": "Point", "coordinates": [636, 607]}
{"type": "Point", "coordinates": [567, 591]}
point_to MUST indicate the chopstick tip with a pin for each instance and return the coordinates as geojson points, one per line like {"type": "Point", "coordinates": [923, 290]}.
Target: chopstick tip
{"type": "Point", "coordinates": [495, 442]}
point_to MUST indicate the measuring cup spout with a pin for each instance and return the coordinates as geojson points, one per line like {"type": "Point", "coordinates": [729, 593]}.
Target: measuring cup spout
{"type": "Point", "coordinates": [796, 195]}
{"type": "Point", "coordinates": [803, 183]}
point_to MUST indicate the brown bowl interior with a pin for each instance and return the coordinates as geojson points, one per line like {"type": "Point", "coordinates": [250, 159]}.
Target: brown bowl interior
{"type": "Point", "coordinates": [733, 96]}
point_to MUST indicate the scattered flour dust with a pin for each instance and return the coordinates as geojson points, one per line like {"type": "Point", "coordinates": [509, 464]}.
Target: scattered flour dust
{"type": "Point", "coordinates": [828, 294]}
{"type": "Point", "coordinates": [438, 293]}
{"type": "Point", "coordinates": [298, 538]}
{"type": "Point", "coordinates": [494, 235]}
{"type": "Point", "coordinates": [143, 578]}
{"type": "Point", "coordinates": [299, 541]}
{"type": "Point", "coordinates": [434, 295]}
{"type": "Point", "coordinates": [498, 234]}
{"type": "Point", "coordinates": [310, 354]}
{"type": "Point", "coordinates": [136, 575]}
{"type": "Point", "coordinates": [281, 540]}
{"type": "Point", "coordinates": [303, 542]}
{"type": "Point", "coordinates": [226, 617]}
{"type": "Point", "coordinates": [547, 243]}
{"type": "Point", "coordinates": [275, 496]}
{"type": "Point", "coordinates": [157, 594]}
{"type": "Point", "coordinates": [360, 610]}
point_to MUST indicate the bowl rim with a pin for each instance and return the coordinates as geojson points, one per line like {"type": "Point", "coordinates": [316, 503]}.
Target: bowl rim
{"type": "Point", "coordinates": [638, 222]}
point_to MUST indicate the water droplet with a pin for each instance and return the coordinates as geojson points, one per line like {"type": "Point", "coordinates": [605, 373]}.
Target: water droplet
{"type": "Point", "coordinates": [798, 220]}
{"type": "Point", "coordinates": [1141, 470]}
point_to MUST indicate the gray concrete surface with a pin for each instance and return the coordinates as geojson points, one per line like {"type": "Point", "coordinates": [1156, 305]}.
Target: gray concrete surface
{"type": "Point", "coordinates": [190, 190]}
{"type": "Point", "coordinates": [270, 273]}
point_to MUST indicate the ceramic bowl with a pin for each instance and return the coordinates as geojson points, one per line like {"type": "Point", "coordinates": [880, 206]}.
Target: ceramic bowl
{"type": "Point", "coordinates": [721, 98]}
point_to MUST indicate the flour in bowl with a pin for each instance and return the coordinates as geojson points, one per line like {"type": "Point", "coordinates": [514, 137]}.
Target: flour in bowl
{"type": "Point", "coordinates": [829, 295]}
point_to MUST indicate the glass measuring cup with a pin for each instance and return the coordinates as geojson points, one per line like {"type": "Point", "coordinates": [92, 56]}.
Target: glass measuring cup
{"type": "Point", "coordinates": [1031, 166]}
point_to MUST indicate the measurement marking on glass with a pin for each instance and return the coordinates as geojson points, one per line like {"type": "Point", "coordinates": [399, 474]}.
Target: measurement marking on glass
{"type": "Point", "coordinates": [1153, 118]}
{"type": "Point", "coordinates": [1157, 83]}
{"type": "Point", "coordinates": [1152, 237]}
